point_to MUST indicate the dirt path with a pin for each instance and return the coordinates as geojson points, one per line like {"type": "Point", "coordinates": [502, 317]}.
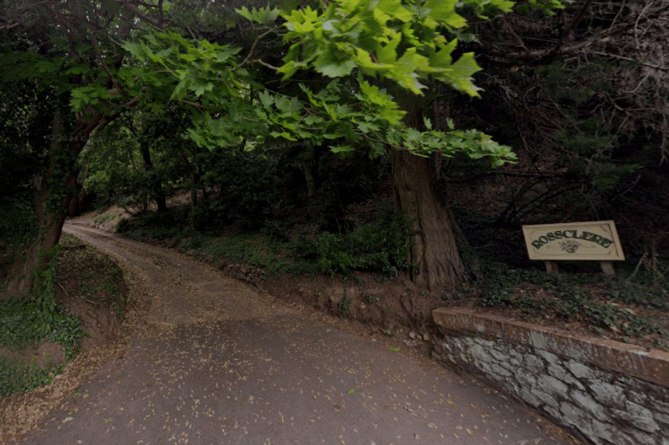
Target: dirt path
{"type": "Point", "coordinates": [223, 364]}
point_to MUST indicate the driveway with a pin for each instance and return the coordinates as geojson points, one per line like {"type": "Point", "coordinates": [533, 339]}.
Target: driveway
{"type": "Point", "coordinates": [225, 364]}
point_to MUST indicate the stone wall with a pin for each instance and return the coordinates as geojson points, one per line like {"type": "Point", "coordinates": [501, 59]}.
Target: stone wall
{"type": "Point", "coordinates": [611, 393]}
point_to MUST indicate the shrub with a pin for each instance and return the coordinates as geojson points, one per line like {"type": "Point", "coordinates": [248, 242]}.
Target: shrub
{"type": "Point", "coordinates": [122, 225]}
{"type": "Point", "coordinates": [381, 246]}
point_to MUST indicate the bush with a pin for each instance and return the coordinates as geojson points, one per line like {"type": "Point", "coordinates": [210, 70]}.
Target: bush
{"type": "Point", "coordinates": [122, 225]}
{"type": "Point", "coordinates": [380, 246]}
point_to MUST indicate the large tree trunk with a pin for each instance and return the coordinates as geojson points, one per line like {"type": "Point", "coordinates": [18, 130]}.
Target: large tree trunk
{"type": "Point", "coordinates": [53, 196]}
{"type": "Point", "coordinates": [51, 225]}
{"type": "Point", "coordinates": [434, 251]}
{"type": "Point", "coordinates": [50, 215]}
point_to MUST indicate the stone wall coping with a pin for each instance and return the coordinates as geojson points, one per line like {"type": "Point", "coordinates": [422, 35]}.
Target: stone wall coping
{"type": "Point", "coordinates": [648, 364]}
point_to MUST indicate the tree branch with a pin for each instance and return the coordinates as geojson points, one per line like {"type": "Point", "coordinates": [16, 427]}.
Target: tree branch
{"type": "Point", "coordinates": [253, 47]}
{"type": "Point", "coordinates": [141, 15]}
{"type": "Point", "coordinates": [113, 79]}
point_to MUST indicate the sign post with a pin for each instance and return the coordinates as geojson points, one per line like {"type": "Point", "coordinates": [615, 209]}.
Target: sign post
{"type": "Point", "coordinates": [586, 241]}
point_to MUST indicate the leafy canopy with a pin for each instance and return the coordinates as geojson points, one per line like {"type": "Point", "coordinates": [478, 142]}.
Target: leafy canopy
{"type": "Point", "coordinates": [399, 42]}
{"type": "Point", "coordinates": [353, 47]}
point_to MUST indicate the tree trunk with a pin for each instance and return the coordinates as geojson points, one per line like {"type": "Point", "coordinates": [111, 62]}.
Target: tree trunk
{"type": "Point", "coordinates": [434, 252]}
{"type": "Point", "coordinates": [312, 206]}
{"type": "Point", "coordinates": [311, 181]}
{"type": "Point", "coordinates": [155, 184]}
{"type": "Point", "coordinates": [59, 181]}
{"type": "Point", "coordinates": [73, 208]}
{"type": "Point", "coordinates": [205, 194]}
{"type": "Point", "coordinates": [81, 198]}
{"type": "Point", "coordinates": [50, 221]}
{"type": "Point", "coordinates": [193, 188]}
{"type": "Point", "coordinates": [76, 204]}
{"type": "Point", "coordinates": [307, 164]}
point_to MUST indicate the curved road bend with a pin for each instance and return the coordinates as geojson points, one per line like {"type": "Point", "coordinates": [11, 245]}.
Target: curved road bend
{"type": "Point", "coordinates": [226, 366]}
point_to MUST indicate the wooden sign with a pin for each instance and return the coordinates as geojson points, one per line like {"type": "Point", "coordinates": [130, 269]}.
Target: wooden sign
{"type": "Point", "coordinates": [595, 241]}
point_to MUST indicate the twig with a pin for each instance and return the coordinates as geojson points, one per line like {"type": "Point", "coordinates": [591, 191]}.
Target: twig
{"type": "Point", "coordinates": [61, 286]}
{"type": "Point", "coordinates": [266, 64]}
{"type": "Point", "coordinates": [8, 27]}
{"type": "Point", "coordinates": [253, 47]}
{"type": "Point", "coordinates": [636, 24]}
{"type": "Point", "coordinates": [198, 106]}
{"type": "Point", "coordinates": [661, 68]}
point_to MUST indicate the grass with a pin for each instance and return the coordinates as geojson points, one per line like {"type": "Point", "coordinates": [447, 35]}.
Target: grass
{"type": "Point", "coordinates": [101, 281]}
{"type": "Point", "coordinates": [101, 219]}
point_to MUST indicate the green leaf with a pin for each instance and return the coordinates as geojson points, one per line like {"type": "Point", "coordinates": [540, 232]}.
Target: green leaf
{"type": "Point", "coordinates": [288, 69]}
{"type": "Point", "coordinates": [46, 67]}
{"type": "Point", "coordinates": [81, 68]}
{"type": "Point", "coordinates": [443, 11]}
{"type": "Point", "coordinates": [387, 53]}
{"type": "Point", "coordinates": [201, 86]}
{"type": "Point", "coordinates": [283, 134]}
{"type": "Point", "coordinates": [181, 89]}
{"type": "Point", "coordinates": [368, 127]}
{"type": "Point", "coordinates": [462, 70]}
{"type": "Point", "coordinates": [336, 69]}
{"type": "Point", "coordinates": [263, 16]}
{"type": "Point", "coordinates": [135, 48]}
{"type": "Point", "coordinates": [395, 9]}
{"type": "Point", "coordinates": [341, 148]}
{"type": "Point", "coordinates": [313, 119]}
{"type": "Point", "coordinates": [442, 58]}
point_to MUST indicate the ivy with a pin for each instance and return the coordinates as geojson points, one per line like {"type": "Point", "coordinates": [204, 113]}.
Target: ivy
{"type": "Point", "coordinates": [44, 286]}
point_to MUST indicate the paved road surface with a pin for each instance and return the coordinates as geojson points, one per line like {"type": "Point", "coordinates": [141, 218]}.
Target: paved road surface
{"type": "Point", "coordinates": [225, 365]}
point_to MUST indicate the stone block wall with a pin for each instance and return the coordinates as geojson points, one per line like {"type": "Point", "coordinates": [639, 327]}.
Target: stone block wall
{"type": "Point", "coordinates": [611, 393]}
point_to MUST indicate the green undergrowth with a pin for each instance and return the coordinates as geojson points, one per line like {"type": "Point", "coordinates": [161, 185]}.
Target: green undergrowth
{"type": "Point", "coordinates": [38, 318]}
{"type": "Point", "coordinates": [21, 377]}
{"type": "Point", "coordinates": [377, 244]}
{"type": "Point", "coordinates": [25, 326]}
{"type": "Point", "coordinates": [100, 280]}
{"type": "Point", "coordinates": [620, 305]}
{"type": "Point", "coordinates": [31, 321]}
{"type": "Point", "coordinates": [103, 218]}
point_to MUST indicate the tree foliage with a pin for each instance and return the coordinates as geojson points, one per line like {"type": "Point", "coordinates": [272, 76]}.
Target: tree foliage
{"type": "Point", "coordinates": [352, 111]}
